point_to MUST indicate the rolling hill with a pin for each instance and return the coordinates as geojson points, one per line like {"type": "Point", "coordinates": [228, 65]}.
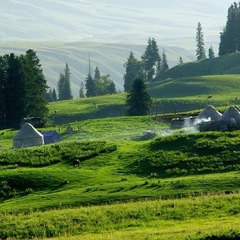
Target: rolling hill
{"type": "Point", "coordinates": [228, 64]}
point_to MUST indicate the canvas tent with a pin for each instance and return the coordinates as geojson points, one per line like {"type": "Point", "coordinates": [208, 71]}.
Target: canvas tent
{"type": "Point", "coordinates": [50, 137]}
{"type": "Point", "coordinates": [210, 113]}
{"type": "Point", "coordinates": [27, 136]}
{"type": "Point", "coordinates": [231, 113]}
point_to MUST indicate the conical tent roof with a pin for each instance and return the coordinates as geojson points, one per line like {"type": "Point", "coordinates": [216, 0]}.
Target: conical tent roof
{"type": "Point", "coordinates": [232, 112]}
{"type": "Point", "coordinates": [27, 136]}
{"type": "Point", "coordinates": [210, 112]}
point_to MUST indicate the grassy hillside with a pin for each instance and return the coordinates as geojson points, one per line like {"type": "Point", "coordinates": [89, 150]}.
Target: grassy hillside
{"type": "Point", "coordinates": [169, 96]}
{"type": "Point", "coordinates": [127, 187]}
{"type": "Point", "coordinates": [228, 64]}
{"type": "Point", "coordinates": [118, 169]}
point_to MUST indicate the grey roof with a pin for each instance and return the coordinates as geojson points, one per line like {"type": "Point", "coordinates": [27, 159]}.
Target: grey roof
{"type": "Point", "coordinates": [27, 131]}
{"type": "Point", "coordinates": [232, 112]}
{"type": "Point", "coordinates": [210, 112]}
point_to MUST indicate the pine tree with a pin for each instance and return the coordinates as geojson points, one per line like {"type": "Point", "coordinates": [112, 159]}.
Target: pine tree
{"type": "Point", "coordinates": [15, 91]}
{"type": "Point", "coordinates": [60, 87]}
{"type": "Point", "coordinates": [211, 52]}
{"type": "Point", "coordinates": [150, 58]}
{"type": "Point", "coordinates": [111, 87]}
{"type": "Point", "coordinates": [200, 43]}
{"type": "Point", "coordinates": [81, 90]}
{"type": "Point", "coordinates": [35, 85]}
{"type": "Point", "coordinates": [64, 85]}
{"type": "Point", "coordinates": [164, 65]}
{"type": "Point", "coordinates": [97, 74]}
{"type": "Point", "coordinates": [90, 86]}
{"type": "Point", "coordinates": [22, 88]}
{"type": "Point", "coordinates": [230, 36]}
{"type": "Point", "coordinates": [54, 95]}
{"type": "Point", "coordinates": [180, 60]}
{"type": "Point", "coordinates": [138, 101]}
{"type": "Point", "coordinates": [133, 70]}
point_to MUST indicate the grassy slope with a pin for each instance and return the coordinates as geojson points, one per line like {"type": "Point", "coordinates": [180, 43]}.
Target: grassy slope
{"type": "Point", "coordinates": [114, 177]}
{"type": "Point", "coordinates": [111, 177]}
{"type": "Point", "coordinates": [220, 65]}
{"type": "Point", "coordinates": [184, 94]}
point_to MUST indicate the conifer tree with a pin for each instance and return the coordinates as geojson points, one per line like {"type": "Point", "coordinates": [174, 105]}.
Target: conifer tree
{"type": "Point", "coordinates": [180, 60]}
{"type": "Point", "coordinates": [230, 36]}
{"type": "Point", "coordinates": [200, 52]}
{"type": "Point", "coordinates": [90, 86]}
{"type": "Point", "coordinates": [150, 58]}
{"type": "Point", "coordinates": [22, 88]}
{"type": "Point", "coordinates": [133, 70]}
{"type": "Point", "coordinates": [54, 95]}
{"type": "Point", "coordinates": [35, 85]}
{"type": "Point", "coordinates": [211, 52]}
{"type": "Point", "coordinates": [164, 65]}
{"type": "Point", "coordinates": [81, 90]}
{"type": "Point", "coordinates": [138, 100]}
{"type": "Point", "coordinates": [64, 85]}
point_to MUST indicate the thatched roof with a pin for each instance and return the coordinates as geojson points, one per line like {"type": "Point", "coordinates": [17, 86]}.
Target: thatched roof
{"type": "Point", "coordinates": [232, 112]}
{"type": "Point", "coordinates": [27, 131]}
{"type": "Point", "coordinates": [210, 112]}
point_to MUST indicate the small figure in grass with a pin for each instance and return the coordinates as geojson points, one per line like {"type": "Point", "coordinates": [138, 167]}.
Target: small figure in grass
{"type": "Point", "coordinates": [76, 163]}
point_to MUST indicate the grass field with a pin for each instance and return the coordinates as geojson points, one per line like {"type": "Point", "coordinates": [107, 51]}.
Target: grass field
{"type": "Point", "coordinates": [117, 194]}
{"type": "Point", "coordinates": [175, 186]}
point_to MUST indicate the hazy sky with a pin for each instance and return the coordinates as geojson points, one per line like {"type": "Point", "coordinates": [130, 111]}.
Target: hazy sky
{"type": "Point", "coordinates": [171, 23]}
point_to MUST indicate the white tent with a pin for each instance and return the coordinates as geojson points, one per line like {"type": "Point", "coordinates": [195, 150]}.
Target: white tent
{"type": "Point", "coordinates": [27, 136]}
{"type": "Point", "coordinates": [231, 113]}
{"type": "Point", "coordinates": [210, 113]}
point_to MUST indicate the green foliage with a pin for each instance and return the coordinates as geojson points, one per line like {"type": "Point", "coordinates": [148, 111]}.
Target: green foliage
{"type": "Point", "coordinates": [195, 153]}
{"type": "Point", "coordinates": [133, 70]}
{"type": "Point", "coordinates": [200, 52]}
{"type": "Point", "coordinates": [23, 88]}
{"type": "Point", "coordinates": [150, 59]}
{"type": "Point", "coordinates": [116, 217]}
{"type": "Point", "coordinates": [64, 85]}
{"type": "Point", "coordinates": [229, 37]}
{"type": "Point", "coordinates": [227, 64]}
{"type": "Point", "coordinates": [46, 155]}
{"type": "Point", "coordinates": [138, 101]}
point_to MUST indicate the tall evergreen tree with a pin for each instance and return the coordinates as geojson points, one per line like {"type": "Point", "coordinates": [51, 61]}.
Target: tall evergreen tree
{"type": "Point", "coordinates": [200, 52]}
{"type": "Point", "coordinates": [64, 85]}
{"type": "Point", "coordinates": [111, 87]}
{"type": "Point", "coordinates": [90, 86]}
{"type": "Point", "coordinates": [22, 88]}
{"type": "Point", "coordinates": [97, 74]}
{"type": "Point", "coordinates": [150, 58]}
{"type": "Point", "coordinates": [36, 85]}
{"type": "Point", "coordinates": [133, 70]}
{"type": "Point", "coordinates": [81, 90]}
{"type": "Point", "coordinates": [138, 101]}
{"type": "Point", "coordinates": [180, 60]}
{"type": "Point", "coordinates": [230, 36]}
{"type": "Point", "coordinates": [54, 95]}
{"type": "Point", "coordinates": [164, 64]}
{"type": "Point", "coordinates": [211, 53]}
{"type": "Point", "coordinates": [15, 91]}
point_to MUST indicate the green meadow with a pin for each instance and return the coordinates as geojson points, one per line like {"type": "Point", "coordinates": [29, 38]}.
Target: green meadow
{"type": "Point", "coordinates": [177, 185]}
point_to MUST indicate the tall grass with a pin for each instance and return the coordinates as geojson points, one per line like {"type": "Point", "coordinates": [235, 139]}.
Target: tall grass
{"type": "Point", "coordinates": [120, 216]}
